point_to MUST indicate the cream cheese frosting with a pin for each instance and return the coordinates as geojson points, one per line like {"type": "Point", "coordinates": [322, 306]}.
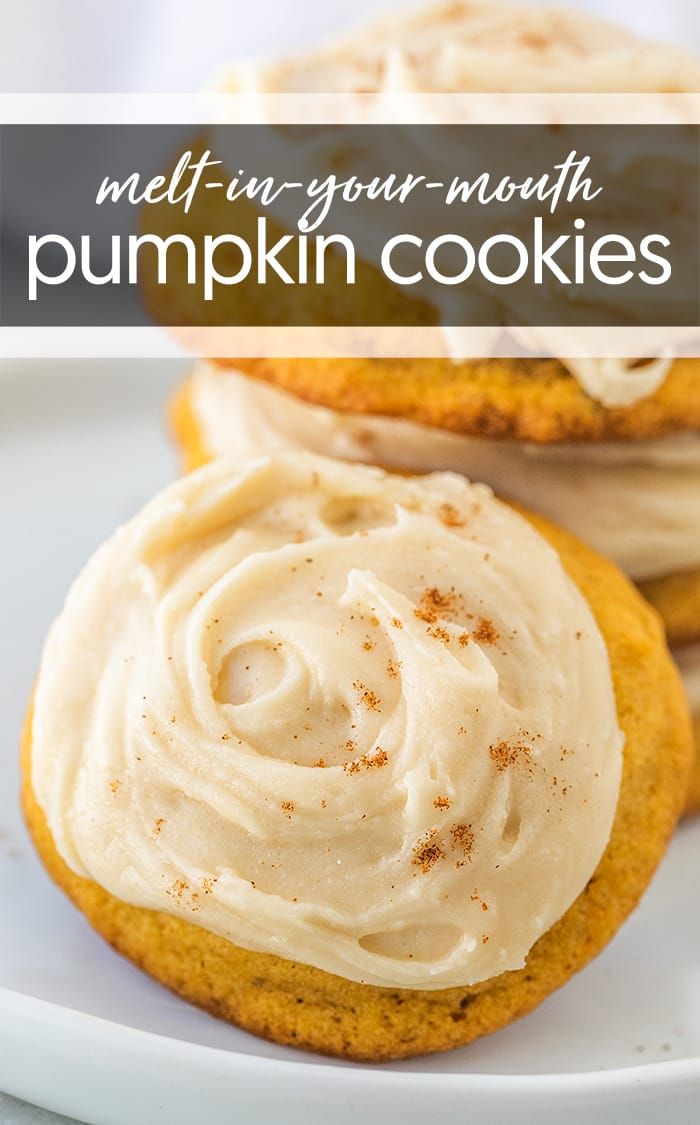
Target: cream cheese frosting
{"type": "Point", "coordinates": [688, 660]}
{"type": "Point", "coordinates": [358, 720]}
{"type": "Point", "coordinates": [488, 47]}
{"type": "Point", "coordinates": [483, 47]}
{"type": "Point", "coordinates": [636, 502]}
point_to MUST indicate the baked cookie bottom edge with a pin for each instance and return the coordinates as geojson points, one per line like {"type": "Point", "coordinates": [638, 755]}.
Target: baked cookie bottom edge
{"type": "Point", "coordinates": [298, 1005]}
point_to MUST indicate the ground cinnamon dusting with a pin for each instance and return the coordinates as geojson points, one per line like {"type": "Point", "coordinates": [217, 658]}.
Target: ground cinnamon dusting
{"type": "Point", "coordinates": [392, 668]}
{"type": "Point", "coordinates": [462, 839]}
{"type": "Point", "coordinates": [505, 754]}
{"type": "Point", "coordinates": [442, 803]}
{"type": "Point", "coordinates": [439, 633]}
{"type": "Point", "coordinates": [370, 699]}
{"type": "Point", "coordinates": [436, 603]}
{"type": "Point", "coordinates": [367, 761]}
{"type": "Point", "coordinates": [450, 515]}
{"type": "Point", "coordinates": [177, 889]}
{"type": "Point", "coordinates": [427, 852]}
{"type": "Point", "coordinates": [287, 808]}
{"type": "Point", "coordinates": [485, 632]}
{"type": "Point", "coordinates": [157, 825]}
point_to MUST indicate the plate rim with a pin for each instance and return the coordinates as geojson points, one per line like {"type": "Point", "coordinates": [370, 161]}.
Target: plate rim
{"type": "Point", "coordinates": [18, 1005]}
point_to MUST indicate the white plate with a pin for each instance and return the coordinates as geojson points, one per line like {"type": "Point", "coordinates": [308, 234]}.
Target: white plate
{"type": "Point", "coordinates": [82, 445]}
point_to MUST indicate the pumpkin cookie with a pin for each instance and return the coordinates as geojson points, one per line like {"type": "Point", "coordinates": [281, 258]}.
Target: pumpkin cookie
{"type": "Point", "coordinates": [452, 47]}
{"type": "Point", "coordinates": [309, 771]}
{"type": "Point", "coordinates": [534, 400]}
{"type": "Point", "coordinates": [677, 599]}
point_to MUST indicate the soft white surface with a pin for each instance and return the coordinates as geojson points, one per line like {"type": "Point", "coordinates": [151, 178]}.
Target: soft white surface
{"type": "Point", "coordinates": [14, 1112]}
{"type": "Point", "coordinates": [81, 447]}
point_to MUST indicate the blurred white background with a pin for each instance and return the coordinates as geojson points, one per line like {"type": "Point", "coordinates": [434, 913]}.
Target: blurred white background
{"type": "Point", "coordinates": [176, 45]}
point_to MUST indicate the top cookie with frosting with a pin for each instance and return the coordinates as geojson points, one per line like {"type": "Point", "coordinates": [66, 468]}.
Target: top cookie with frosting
{"type": "Point", "coordinates": [459, 47]}
{"type": "Point", "coordinates": [352, 719]}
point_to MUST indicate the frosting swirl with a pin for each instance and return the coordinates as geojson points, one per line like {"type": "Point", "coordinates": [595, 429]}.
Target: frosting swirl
{"type": "Point", "coordinates": [584, 487]}
{"type": "Point", "coordinates": [358, 720]}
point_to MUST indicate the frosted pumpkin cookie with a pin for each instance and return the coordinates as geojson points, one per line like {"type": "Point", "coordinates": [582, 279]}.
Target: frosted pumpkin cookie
{"type": "Point", "coordinates": [352, 759]}
{"type": "Point", "coordinates": [636, 502]}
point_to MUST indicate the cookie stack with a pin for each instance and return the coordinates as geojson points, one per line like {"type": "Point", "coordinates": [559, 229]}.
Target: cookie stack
{"type": "Point", "coordinates": [608, 449]}
{"type": "Point", "coordinates": [353, 754]}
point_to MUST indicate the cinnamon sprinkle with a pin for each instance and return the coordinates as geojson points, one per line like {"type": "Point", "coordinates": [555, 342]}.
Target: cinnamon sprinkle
{"type": "Point", "coordinates": [367, 762]}
{"type": "Point", "coordinates": [177, 889]}
{"type": "Point", "coordinates": [462, 839]}
{"type": "Point", "coordinates": [370, 699]}
{"type": "Point", "coordinates": [427, 852]}
{"type": "Point", "coordinates": [450, 516]}
{"type": "Point", "coordinates": [486, 632]}
{"type": "Point", "coordinates": [440, 634]}
{"type": "Point", "coordinates": [505, 754]}
{"type": "Point", "coordinates": [434, 603]}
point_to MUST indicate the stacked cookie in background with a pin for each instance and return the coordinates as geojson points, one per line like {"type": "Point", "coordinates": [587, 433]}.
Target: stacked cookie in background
{"type": "Point", "coordinates": [608, 449]}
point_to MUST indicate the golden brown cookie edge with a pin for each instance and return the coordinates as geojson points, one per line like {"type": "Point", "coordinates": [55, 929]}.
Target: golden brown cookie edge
{"type": "Point", "coordinates": [302, 1006]}
{"type": "Point", "coordinates": [525, 399]}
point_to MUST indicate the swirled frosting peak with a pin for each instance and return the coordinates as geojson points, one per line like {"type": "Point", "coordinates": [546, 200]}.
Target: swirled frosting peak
{"type": "Point", "coordinates": [358, 720]}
